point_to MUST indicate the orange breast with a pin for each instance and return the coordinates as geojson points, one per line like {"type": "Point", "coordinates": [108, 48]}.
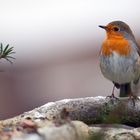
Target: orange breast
{"type": "Point", "coordinates": [119, 45]}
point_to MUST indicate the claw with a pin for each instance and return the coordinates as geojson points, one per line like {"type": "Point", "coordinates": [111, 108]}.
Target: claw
{"type": "Point", "coordinates": [112, 96]}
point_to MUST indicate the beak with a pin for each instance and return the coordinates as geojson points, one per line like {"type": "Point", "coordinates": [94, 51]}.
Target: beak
{"type": "Point", "coordinates": [103, 27]}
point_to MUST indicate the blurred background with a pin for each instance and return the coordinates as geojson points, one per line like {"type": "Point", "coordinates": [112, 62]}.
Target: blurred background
{"type": "Point", "coordinates": [57, 45]}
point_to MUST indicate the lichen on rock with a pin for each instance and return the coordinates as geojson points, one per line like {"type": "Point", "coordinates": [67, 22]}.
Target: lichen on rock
{"type": "Point", "coordinates": [76, 119]}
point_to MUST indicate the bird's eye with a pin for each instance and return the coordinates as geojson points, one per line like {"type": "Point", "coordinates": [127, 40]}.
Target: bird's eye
{"type": "Point", "coordinates": [116, 29]}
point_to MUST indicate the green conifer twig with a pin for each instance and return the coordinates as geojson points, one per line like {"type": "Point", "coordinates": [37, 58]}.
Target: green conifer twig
{"type": "Point", "coordinates": [5, 52]}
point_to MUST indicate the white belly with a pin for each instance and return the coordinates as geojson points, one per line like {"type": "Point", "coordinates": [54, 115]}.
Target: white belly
{"type": "Point", "coordinates": [119, 69]}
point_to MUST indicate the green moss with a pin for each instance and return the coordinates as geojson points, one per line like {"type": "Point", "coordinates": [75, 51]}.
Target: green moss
{"type": "Point", "coordinates": [112, 113]}
{"type": "Point", "coordinates": [96, 136]}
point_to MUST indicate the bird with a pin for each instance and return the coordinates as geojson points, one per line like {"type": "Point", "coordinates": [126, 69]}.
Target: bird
{"type": "Point", "coordinates": [120, 58]}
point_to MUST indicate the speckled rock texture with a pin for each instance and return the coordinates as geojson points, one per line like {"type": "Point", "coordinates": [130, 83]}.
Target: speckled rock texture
{"type": "Point", "coordinates": [92, 110]}
{"type": "Point", "coordinates": [88, 118]}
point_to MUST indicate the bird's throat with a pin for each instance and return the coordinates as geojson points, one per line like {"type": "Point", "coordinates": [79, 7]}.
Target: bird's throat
{"type": "Point", "coordinates": [119, 45]}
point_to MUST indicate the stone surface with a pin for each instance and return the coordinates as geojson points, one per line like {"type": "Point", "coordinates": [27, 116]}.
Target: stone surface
{"type": "Point", "coordinates": [28, 137]}
{"type": "Point", "coordinates": [105, 119]}
{"type": "Point", "coordinates": [92, 110]}
{"type": "Point", "coordinates": [74, 130]}
{"type": "Point", "coordinates": [115, 133]}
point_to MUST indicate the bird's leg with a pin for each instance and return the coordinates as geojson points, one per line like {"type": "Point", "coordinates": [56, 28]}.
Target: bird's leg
{"type": "Point", "coordinates": [112, 96]}
{"type": "Point", "coordinates": [133, 98]}
{"type": "Point", "coordinates": [113, 92]}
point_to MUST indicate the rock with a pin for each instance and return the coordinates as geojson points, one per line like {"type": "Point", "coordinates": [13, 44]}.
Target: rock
{"type": "Point", "coordinates": [89, 110]}
{"type": "Point", "coordinates": [92, 110]}
{"type": "Point", "coordinates": [112, 133]}
{"type": "Point", "coordinates": [74, 130]}
{"type": "Point", "coordinates": [28, 137]}
{"type": "Point", "coordinates": [70, 131]}
{"type": "Point", "coordinates": [76, 119]}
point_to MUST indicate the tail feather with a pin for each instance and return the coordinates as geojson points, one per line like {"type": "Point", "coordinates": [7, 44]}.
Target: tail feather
{"type": "Point", "coordinates": [125, 90]}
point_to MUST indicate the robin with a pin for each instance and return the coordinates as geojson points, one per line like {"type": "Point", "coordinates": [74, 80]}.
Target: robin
{"type": "Point", "coordinates": [120, 57]}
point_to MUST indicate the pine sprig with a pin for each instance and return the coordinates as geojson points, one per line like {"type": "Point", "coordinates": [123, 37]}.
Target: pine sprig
{"type": "Point", "coordinates": [5, 52]}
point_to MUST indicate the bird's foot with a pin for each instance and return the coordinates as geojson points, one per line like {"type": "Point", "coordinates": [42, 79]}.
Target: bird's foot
{"type": "Point", "coordinates": [112, 98]}
{"type": "Point", "coordinates": [133, 98]}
